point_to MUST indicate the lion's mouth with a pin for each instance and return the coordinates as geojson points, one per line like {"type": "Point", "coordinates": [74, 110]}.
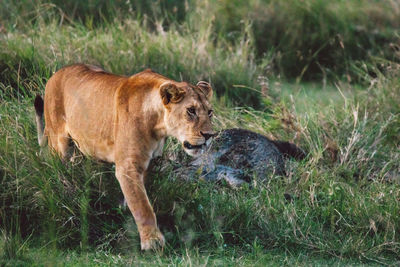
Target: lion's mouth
{"type": "Point", "coordinates": [188, 145]}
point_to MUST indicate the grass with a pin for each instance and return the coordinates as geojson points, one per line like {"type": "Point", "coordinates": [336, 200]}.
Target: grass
{"type": "Point", "coordinates": [345, 197]}
{"type": "Point", "coordinates": [188, 258]}
{"type": "Point", "coordinates": [125, 47]}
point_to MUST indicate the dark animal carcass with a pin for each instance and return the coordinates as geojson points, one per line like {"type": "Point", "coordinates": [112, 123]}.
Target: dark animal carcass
{"type": "Point", "coordinates": [238, 155]}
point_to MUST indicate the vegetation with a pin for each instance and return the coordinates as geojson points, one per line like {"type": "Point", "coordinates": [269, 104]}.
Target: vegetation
{"type": "Point", "coordinates": [323, 74]}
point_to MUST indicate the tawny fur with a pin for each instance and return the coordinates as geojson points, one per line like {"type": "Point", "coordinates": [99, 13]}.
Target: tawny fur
{"type": "Point", "coordinates": [124, 120]}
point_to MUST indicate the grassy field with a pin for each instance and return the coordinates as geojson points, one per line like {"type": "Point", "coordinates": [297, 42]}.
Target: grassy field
{"type": "Point", "coordinates": [322, 74]}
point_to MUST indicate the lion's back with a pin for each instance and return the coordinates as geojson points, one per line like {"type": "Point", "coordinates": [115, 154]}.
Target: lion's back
{"type": "Point", "coordinates": [79, 102]}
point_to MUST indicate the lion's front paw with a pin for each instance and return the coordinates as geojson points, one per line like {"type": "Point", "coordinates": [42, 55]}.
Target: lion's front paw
{"type": "Point", "coordinates": [153, 240]}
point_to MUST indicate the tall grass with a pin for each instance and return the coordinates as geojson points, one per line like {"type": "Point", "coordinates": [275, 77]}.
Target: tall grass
{"type": "Point", "coordinates": [312, 39]}
{"type": "Point", "coordinates": [323, 39]}
{"type": "Point", "coordinates": [126, 48]}
{"type": "Point", "coordinates": [344, 205]}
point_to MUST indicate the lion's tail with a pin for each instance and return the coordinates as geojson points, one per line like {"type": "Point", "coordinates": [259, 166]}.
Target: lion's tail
{"type": "Point", "coordinates": [290, 150]}
{"type": "Point", "coordinates": [39, 107]}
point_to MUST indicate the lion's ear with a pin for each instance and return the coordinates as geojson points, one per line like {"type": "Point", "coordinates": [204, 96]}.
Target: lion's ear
{"type": "Point", "coordinates": [170, 93]}
{"type": "Point", "coordinates": [205, 87]}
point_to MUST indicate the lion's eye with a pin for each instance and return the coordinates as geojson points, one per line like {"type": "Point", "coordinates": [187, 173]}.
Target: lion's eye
{"type": "Point", "coordinates": [210, 113]}
{"type": "Point", "coordinates": [191, 111]}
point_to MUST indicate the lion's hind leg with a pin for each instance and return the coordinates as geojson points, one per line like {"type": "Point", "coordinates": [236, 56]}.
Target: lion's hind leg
{"type": "Point", "coordinates": [61, 143]}
{"type": "Point", "coordinates": [65, 147]}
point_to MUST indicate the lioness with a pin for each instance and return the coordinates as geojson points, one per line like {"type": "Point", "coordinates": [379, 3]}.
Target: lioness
{"type": "Point", "coordinates": [124, 120]}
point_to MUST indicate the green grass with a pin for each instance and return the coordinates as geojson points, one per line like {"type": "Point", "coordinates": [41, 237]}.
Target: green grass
{"type": "Point", "coordinates": [312, 39]}
{"type": "Point", "coordinates": [345, 207]}
{"type": "Point", "coordinates": [30, 56]}
{"type": "Point", "coordinates": [228, 257]}
{"type": "Point", "coordinates": [345, 196]}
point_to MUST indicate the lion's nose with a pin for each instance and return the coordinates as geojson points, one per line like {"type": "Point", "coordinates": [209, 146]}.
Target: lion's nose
{"type": "Point", "coordinates": [207, 135]}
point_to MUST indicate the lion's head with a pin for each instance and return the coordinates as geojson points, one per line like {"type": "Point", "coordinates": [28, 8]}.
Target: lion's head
{"type": "Point", "coordinates": [188, 114]}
